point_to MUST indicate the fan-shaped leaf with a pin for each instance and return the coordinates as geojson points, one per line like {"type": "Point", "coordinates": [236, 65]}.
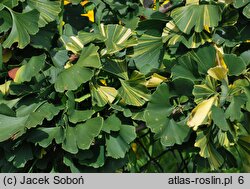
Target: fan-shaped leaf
{"type": "Point", "coordinates": [197, 16]}
{"type": "Point", "coordinates": [134, 91]}
{"type": "Point", "coordinates": [23, 25]}
{"type": "Point", "coordinates": [117, 146]}
{"type": "Point", "coordinates": [48, 10]}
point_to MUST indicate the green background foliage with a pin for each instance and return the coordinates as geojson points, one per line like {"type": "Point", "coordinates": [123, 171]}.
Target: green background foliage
{"type": "Point", "coordinates": [141, 89]}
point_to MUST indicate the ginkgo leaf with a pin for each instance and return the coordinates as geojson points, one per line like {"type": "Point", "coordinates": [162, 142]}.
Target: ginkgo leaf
{"type": "Point", "coordinates": [45, 135]}
{"type": "Point", "coordinates": [208, 150]}
{"type": "Point", "coordinates": [147, 55]}
{"type": "Point", "coordinates": [117, 67]}
{"type": "Point", "coordinates": [218, 116]}
{"type": "Point", "coordinates": [49, 10]}
{"type": "Point", "coordinates": [155, 80]}
{"type": "Point", "coordinates": [134, 91]}
{"type": "Point", "coordinates": [117, 146]}
{"type": "Point", "coordinates": [72, 78]}
{"type": "Point", "coordinates": [205, 90]}
{"type": "Point", "coordinates": [72, 43]}
{"type": "Point", "coordinates": [117, 37]}
{"type": "Point", "coordinates": [4, 88]}
{"type": "Point", "coordinates": [173, 36]}
{"type": "Point", "coordinates": [23, 25]}
{"type": "Point", "coordinates": [101, 95]}
{"type": "Point", "coordinates": [218, 72]}
{"type": "Point", "coordinates": [82, 136]}
{"type": "Point", "coordinates": [197, 16]}
{"type": "Point", "coordinates": [6, 20]}
{"type": "Point", "coordinates": [201, 112]}
{"type": "Point", "coordinates": [29, 69]}
{"type": "Point", "coordinates": [192, 2]}
{"type": "Point", "coordinates": [90, 57]}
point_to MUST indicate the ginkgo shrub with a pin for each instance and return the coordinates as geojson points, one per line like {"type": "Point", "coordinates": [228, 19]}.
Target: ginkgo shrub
{"type": "Point", "coordinates": [124, 86]}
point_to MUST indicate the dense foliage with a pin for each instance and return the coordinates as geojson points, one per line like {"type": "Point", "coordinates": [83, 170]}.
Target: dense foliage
{"type": "Point", "coordinates": [124, 86]}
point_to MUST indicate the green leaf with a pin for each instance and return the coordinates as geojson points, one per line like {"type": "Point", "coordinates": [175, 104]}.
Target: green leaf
{"type": "Point", "coordinates": [44, 38]}
{"type": "Point", "coordinates": [185, 69]}
{"type": "Point", "coordinates": [233, 111]}
{"type": "Point", "coordinates": [197, 16]}
{"type": "Point", "coordinates": [240, 3]}
{"type": "Point", "coordinates": [60, 58]}
{"type": "Point", "coordinates": [246, 11]}
{"type": "Point", "coordinates": [7, 20]}
{"type": "Point", "coordinates": [49, 10]}
{"type": "Point", "coordinates": [134, 91]}
{"type": "Point", "coordinates": [97, 160]}
{"type": "Point", "coordinates": [87, 37]}
{"type": "Point", "coordinates": [9, 126]}
{"type": "Point", "coordinates": [30, 69]}
{"type": "Point", "coordinates": [247, 92]}
{"type": "Point", "coordinates": [44, 136]}
{"type": "Point", "coordinates": [23, 25]}
{"type": "Point", "coordinates": [246, 57]}
{"type": "Point", "coordinates": [117, 146]}
{"type": "Point", "coordinates": [219, 118]}
{"type": "Point", "coordinates": [9, 103]}
{"type": "Point", "coordinates": [157, 118]}
{"type": "Point", "coordinates": [235, 64]}
{"type": "Point", "coordinates": [90, 57]}
{"type": "Point", "coordinates": [82, 136]}
{"type": "Point", "coordinates": [71, 78]}
{"type": "Point", "coordinates": [22, 155]}
{"type": "Point", "coordinates": [117, 67]}
{"type": "Point", "coordinates": [147, 55]}
{"type": "Point", "coordinates": [173, 133]}
{"type": "Point", "coordinates": [70, 141]}
{"type": "Point", "coordinates": [112, 123]}
{"type": "Point", "coordinates": [206, 90]}
{"type": "Point", "coordinates": [10, 3]}
{"type": "Point", "coordinates": [158, 109]}
{"type": "Point", "coordinates": [80, 115]}
{"type": "Point", "coordinates": [5, 110]}
{"type": "Point", "coordinates": [243, 150]}
{"type": "Point", "coordinates": [86, 132]}
{"type": "Point", "coordinates": [205, 57]}
{"type": "Point", "coordinates": [37, 113]}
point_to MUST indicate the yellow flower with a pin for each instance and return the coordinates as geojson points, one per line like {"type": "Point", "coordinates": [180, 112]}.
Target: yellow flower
{"type": "Point", "coordinates": [90, 15]}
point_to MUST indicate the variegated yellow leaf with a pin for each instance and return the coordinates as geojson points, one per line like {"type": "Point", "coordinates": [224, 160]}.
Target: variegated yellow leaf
{"type": "Point", "coordinates": [201, 112]}
{"type": "Point", "coordinates": [155, 80]}
{"type": "Point", "coordinates": [218, 72]}
{"type": "Point", "coordinates": [4, 88]}
{"type": "Point", "coordinates": [192, 2]}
